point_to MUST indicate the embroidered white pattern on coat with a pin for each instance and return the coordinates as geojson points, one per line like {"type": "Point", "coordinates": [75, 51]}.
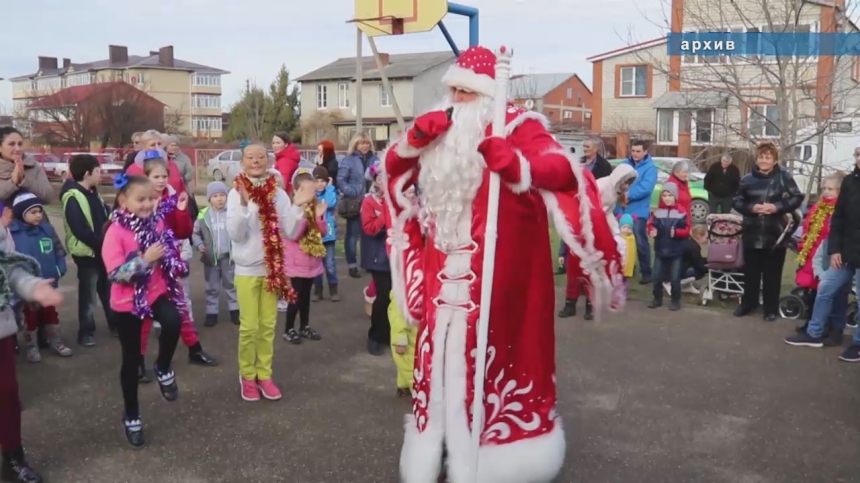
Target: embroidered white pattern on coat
{"type": "Point", "coordinates": [504, 413]}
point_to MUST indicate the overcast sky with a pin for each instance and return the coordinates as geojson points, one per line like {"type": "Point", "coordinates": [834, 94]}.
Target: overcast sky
{"type": "Point", "coordinates": [252, 38]}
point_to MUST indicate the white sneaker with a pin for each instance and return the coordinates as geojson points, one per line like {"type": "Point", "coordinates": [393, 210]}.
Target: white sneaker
{"type": "Point", "coordinates": [282, 305]}
{"type": "Point", "coordinates": [690, 288]}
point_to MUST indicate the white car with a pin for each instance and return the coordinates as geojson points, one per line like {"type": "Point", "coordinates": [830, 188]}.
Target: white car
{"type": "Point", "coordinates": [227, 162]}
{"type": "Point", "coordinates": [107, 162]}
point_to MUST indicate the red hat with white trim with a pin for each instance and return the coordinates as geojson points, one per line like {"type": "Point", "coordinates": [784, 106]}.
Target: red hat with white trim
{"type": "Point", "coordinates": [474, 71]}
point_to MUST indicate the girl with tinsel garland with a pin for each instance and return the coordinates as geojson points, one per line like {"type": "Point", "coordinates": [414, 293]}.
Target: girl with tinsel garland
{"type": "Point", "coordinates": [260, 217]}
{"type": "Point", "coordinates": [144, 267]}
{"type": "Point", "coordinates": [816, 229]}
{"type": "Point", "coordinates": [304, 261]}
{"type": "Point", "coordinates": [172, 208]}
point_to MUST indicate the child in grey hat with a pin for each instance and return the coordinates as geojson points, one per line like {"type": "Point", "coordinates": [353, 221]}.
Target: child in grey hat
{"type": "Point", "coordinates": [211, 240]}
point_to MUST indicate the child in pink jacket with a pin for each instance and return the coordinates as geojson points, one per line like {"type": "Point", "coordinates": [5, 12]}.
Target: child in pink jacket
{"type": "Point", "coordinates": [303, 262]}
{"type": "Point", "coordinates": [144, 268]}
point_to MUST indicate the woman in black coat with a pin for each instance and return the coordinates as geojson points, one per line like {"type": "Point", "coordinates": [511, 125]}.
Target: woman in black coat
{"type": "Point", "coordinates": [766, 198]}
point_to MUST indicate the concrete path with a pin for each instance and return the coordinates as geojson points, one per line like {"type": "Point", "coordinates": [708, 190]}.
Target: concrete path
{"type": "Point", "coordinates": [647, 397]}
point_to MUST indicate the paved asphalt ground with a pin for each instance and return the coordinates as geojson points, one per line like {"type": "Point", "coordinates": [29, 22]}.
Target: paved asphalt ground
{"type": "Point", "coordinates": [647, 397]}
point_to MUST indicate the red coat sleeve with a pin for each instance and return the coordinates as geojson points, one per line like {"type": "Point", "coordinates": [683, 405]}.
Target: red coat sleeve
{"type": "Point", "coordinates": [685, 231]}
{"type": "Point", "coordinates": [544, 163]}
{"type": "Point", "coordinates": [181, 224]}
{"type": "Point", "coordinates": [649, 225]}
{"type": "Point", "coordinates": [372, 219]}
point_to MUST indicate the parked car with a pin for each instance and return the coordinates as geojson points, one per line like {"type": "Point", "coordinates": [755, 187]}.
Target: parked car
{"type": "Point", "coordinates": [700, 209]}
{"type": "Point", "coordinates": [49, 163]}
{"type": "Point", "coordinates": [228, 161]}
{"type": "Point", "coordinates": [109, 164]}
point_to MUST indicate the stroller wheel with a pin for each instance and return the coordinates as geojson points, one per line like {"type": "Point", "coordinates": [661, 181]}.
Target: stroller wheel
{"type": "Point", "coordinates": [791, 307]}
{"type": "Point", "coordinates": [852, 315]}
{"type": "Point", "coordinates": [799, 291]}
{"type": "Point", "coordinates": [722, 296]}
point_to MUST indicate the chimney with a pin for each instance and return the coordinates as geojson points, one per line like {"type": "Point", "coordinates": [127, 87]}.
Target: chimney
{"type": "Point", "coordinates": [384, 59]}
{"type": "Point", "coordinates": [67, 63]}
{"type": "Point", "coordinates": [118, 54]}
{"type": "Point", "coordinates": [47, 63]}
{"type": "Point", "coordinates": [165, 56]}
{"type": "Point", "coordinates": [153, 53]}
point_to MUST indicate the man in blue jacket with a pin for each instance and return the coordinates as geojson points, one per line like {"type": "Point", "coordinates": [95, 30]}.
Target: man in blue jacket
{"type": "Point", "coordinates": [639, 204]}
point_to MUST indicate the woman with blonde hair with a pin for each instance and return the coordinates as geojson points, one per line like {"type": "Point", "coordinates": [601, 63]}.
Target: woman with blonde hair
{"type": "Point", "coordinates": [351, 182]}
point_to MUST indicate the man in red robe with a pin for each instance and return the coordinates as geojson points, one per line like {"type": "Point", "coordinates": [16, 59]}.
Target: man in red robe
{"type": "Point", "coordinates": [450, 154]}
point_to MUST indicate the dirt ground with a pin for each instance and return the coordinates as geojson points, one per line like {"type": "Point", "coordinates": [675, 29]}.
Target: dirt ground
{"type": "Point", "coordinates": [647, 396]}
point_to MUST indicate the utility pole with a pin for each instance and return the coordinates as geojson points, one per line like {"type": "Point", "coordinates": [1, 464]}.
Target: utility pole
{"type": "Point", "coordinates": [359, 79]}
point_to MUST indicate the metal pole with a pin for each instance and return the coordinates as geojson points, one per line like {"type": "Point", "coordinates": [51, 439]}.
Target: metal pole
{"type": "Point", "coordinates": [359, 79]}
{"type": "Point", "coordinates": [474, 18]}
{"type": "Point", "coordinates": [449, 38]}
{"type": "Point", "coordinates": [382, 75]}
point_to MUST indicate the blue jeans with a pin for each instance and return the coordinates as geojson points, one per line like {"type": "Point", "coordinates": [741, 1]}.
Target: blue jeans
{"type": "Point", "coordinates": [350, 241]}
{"type": "Point", "coordinates": [643, 247]}
{"type": "Point", "coordinates": [671, 268]}
{"type": "Point", "coordinates": [330, 267]}
{"type": "Point", "coordinates": [832, 298]}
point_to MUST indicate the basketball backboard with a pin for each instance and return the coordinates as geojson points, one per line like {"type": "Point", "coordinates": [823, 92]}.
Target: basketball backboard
{"type": "Point", "coordinates": [394, 17]}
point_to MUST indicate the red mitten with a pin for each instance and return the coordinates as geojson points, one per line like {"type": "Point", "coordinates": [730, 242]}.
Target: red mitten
{"type": "Point", "coordinates": [427, 128]}
{"type": "Point", "coordinates": [501, 158]}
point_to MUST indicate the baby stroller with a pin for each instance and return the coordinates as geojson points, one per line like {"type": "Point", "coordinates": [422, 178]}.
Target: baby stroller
{"type": "Point", "coordinates": [725, 257]}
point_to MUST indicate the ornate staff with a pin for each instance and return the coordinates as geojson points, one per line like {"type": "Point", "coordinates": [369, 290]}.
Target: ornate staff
{"type": "Point", "coordinates": [503, 75]}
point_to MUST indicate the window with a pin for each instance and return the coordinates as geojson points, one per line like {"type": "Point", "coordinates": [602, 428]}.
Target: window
{"type": "Point", "coordinates": [208, 80]}
{"type": "Point", "coordinates": [570, 92]}
{"type": "Point", "coordinates": [235, 155]}
{"type": "Point", "coordinates": [322, 97]}
{"type": "Point", "coordinates": [137, 78]}
{"type": "Point", "coordinates": [343, 96]}
{"type": "Point", "coordinates": [224, 156]}
{"type": "Point", "coordinates": [205, 124]}
{"type": "Point", "coordinates": [204, 101]}
{"type": "Point", "coordinates": [81, 79]}
{"type": "Point", "coordinates": [384, 98]}
{"type": "Point", "coordinates": [634, 81]}
{"type": "Point", "coordinates": [588, 115]}
{"type": "Point", "coordinates": [567, 115]}
{"type": "Point", "coordinates": [699, 123]}
{"type": "Point", "coordinates": [763, 121]}
{"type": "Point", "coordinates": [49, 83]}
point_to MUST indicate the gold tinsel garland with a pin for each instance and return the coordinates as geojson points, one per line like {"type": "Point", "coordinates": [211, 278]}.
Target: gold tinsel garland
{"type": "Point", "coordinates": [311, 242]}
{"type": "Point", "coordinates": [816, 224]}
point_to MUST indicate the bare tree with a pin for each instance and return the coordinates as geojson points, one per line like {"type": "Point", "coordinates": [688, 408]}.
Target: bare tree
{"type": "Point", "coordinates": [56, 120]}
{"type": "Point", "coordinates": [175, 120]}
{"type": "Point", "coordinates": [778, 98]}
{"type": "Point", "coordinates": [320, 126]}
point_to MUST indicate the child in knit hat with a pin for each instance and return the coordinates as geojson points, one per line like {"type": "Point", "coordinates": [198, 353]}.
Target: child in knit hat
{"type": "Point", "coordinates": [669, 226]}
{"type": "Point", "coordinates": [211, 240]}
{"type": "Point", "coordinates": [36, 237]}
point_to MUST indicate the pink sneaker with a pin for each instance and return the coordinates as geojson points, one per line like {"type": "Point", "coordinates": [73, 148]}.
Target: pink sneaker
{"type": "Point", "coordinates": [269, 390]}
{"type": "Point", "coordinates": [250, 392]}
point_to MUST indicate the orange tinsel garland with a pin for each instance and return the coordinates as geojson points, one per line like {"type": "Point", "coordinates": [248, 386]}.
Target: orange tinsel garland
{"type": "Point", "coordinates": [263, 195]}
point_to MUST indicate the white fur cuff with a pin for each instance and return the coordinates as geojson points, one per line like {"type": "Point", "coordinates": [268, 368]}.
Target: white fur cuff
{"type": "Point", "coordinates": [406, 151]}
{"type": "Point", "coordinates": [525, 182]}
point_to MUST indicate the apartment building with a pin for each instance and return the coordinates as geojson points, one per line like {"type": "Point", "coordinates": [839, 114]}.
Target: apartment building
{"type": "Point", "coordinates": [328, 94]}
{"type": "Point", "coordinates": [563, 98]}
{"type": "Point", "coordinates": [726, 100]}
{"type": "Point", "coordinates": [191, 92]}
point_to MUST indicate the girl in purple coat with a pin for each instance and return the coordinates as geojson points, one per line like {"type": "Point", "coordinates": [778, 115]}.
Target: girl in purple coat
{"type": "Point", "coordinates": [304, 257]}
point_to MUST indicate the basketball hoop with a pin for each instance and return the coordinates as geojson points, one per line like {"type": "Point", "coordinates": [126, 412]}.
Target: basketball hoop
{"type": "Point", "coordinates": [396, 26]}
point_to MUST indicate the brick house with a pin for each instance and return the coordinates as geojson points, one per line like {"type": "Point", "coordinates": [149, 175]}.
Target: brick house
{"type": "Point", "coordinates": [107, 112]}
{"type": "Point", "coordinates": [719, 100]}
{"type": "Point", "coordinates": [563, 98]}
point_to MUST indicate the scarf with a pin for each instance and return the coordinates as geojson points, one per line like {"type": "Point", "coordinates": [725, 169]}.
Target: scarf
{"type": "Point", "coordinates": [146, 234]}
{"type": "Point", "coordinates": [8, 262]}
{"type": "Point", "coordinates": [311, 242]}
{"type": "Point", "coordinates": [817, 222]}
{"type": "Point", "coordinates": [263, 193]}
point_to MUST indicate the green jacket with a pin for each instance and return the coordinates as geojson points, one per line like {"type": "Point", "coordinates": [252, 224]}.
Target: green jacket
{"type": "Point", "coordinates": [203, 236]}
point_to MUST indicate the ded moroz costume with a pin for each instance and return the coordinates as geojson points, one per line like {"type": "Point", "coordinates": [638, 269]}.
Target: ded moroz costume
{"type": "Point", "coordinates": [449, 153]}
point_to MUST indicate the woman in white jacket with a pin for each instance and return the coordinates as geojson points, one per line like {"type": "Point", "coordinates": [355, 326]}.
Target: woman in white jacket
{"type": "Point", "coordinates": [259, 217]}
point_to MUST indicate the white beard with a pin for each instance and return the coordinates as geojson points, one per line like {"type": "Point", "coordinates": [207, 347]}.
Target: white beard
{"type": "Point", "coordinates": [452, 170]}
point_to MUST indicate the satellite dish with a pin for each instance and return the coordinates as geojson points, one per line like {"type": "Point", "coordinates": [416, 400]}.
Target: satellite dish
{"type": "Point", "coordinates": [530, 104]}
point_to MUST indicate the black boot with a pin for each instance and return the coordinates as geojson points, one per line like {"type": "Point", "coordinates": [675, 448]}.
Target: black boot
{"type": "Point", "coordinates": [134, 432]}
{"type": "Point", "coordinates": [569, 309]}
{"type": "Point", "coordinates": [211, 320]}
{"type": "Point", "coordinates": [589, 311]}
{"type": "Point", "coordinates": [142, 374]}
{"type": "Point", "coordinates": [16, 469]}
{"type": "Point", "coordinates": [353, 272]}
{"type": "Point", "coordinates": [833, 339]}
{"type": "Point", "coordinates": [234, 317]}
{"type": "Point", "coordinates": [197, 356]}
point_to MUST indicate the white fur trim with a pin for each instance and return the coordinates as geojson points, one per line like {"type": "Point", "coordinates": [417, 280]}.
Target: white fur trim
{"type": "Point", "coordinates": [467, 79]}
{"type": "Point", "coordinates": [525, 183]}
{"type": "Point", "coordinates": [368, 298]}
{"type": "Point", "coordinates": [526, 116]}
{"type": "Point", "coordinates": [406, 150]}
{"type": "Point", "coordinates": [398, 222]}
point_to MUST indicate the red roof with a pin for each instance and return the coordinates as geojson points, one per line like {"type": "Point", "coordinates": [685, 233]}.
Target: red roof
{"type": "Point", "coordinates": [71, 96]}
